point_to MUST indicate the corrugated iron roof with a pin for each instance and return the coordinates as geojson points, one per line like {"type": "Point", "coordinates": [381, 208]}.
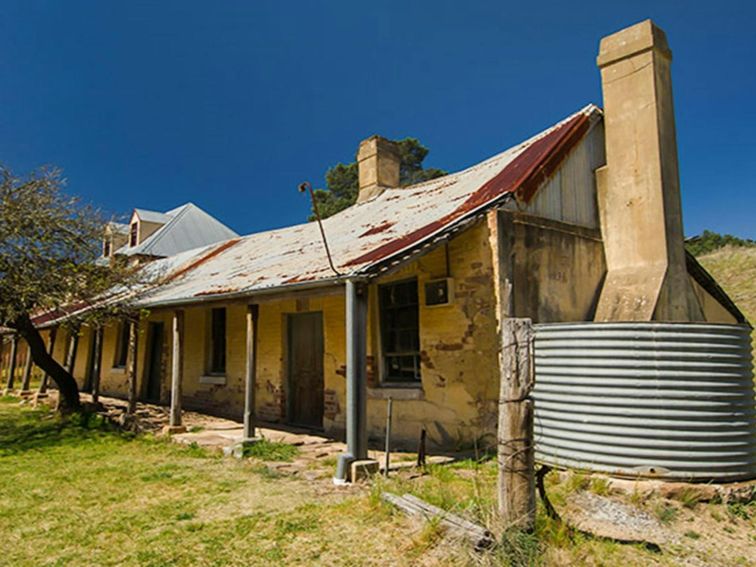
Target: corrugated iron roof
{"type": "Point", "coordinates": [185, 228]}
{"type": "Point", "coordinates": [368, 234]}
{"type": "Point", "coordinates": [152, 216]}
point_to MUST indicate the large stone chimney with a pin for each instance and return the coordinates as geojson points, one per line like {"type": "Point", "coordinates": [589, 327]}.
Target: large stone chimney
{"type": "Point", "coordinates": [639, 188]}
{"type": "Point", "coordinates": [378, 162]}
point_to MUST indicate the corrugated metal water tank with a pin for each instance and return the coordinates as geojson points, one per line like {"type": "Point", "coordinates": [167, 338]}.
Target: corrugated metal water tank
{"type": "Point", "coordinates": [666, 400]}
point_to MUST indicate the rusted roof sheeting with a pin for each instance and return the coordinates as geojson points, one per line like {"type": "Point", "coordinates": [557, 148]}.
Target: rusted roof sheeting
{"type": "Point", "coordinates": [370, 233]}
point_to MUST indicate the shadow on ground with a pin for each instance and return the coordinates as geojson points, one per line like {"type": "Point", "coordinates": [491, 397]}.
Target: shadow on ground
{"type": "Point", "coordinates": [39, 429]}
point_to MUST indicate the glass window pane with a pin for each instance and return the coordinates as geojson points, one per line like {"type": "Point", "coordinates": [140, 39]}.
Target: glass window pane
{"type": "Point", "coordinates": [400, 331]}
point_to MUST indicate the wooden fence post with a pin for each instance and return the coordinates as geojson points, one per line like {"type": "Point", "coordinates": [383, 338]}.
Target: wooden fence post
{"type": "Point", "coordinates": [516, 447]}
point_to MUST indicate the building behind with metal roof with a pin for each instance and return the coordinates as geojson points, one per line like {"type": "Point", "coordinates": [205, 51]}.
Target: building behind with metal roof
{"type": "Point", "coordinates": [151, 234]}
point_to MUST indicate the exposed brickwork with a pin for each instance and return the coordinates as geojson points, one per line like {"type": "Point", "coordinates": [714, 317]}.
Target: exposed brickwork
{"type": "Point", "coordinates": [207, 401]}
{"type": "Point", "coordinates": [330, 404]}
{"type": "Point", "coordinates": [275, 409]}
{"type": "Point", "coordinates": [425, 360]}
{"type": "Point", "coordinates": [371, 373]}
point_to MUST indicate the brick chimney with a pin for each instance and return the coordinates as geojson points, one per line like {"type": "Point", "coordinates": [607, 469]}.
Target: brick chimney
{"type": "Point", "coordinates": [378, 162]}
{"type": "Point", "coordinates": [639, 188]}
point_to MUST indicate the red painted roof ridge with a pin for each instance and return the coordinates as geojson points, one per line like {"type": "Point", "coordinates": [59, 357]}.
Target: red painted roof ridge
{"type": "Point", "coordinates": [525, 173]}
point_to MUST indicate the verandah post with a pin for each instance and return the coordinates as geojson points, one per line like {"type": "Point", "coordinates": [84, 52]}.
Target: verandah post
{"type": "Point", "coordinates": [42, 391]}
{"type": "Point", "coordinates": [251, 374]}
{"type": "Point", "coordinates": [132, 364]}
{"type": "Point", "coordinates": [11, 365]}
{"type": "Point", "coordinates": [26, 379]}
{"type": "Point", "coordinates": [97, 364]}
{"type": "Point", "coordinates": [177, 364]}
{"type": "Point", "coordinates": [73, 347]}
{"type": "Point", "coordinates": [516, 447]}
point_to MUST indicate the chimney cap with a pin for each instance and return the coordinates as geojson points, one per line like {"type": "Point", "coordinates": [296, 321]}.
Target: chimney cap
{"type": "Point", "coordinates": [377, 144]}
{"type": "Point", "coordinates": [643, 36]}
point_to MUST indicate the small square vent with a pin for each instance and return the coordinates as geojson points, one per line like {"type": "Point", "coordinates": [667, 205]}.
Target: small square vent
{"type": "Point", "coordinates": [439, 292]}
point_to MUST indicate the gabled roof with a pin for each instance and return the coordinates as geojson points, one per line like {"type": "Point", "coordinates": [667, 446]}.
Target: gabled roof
{"type": "Point", "coordinates": [152, 216]}
{"type": "Point", "coordinates": [184, 228]}
{"type": "Point", "coordinates": [384, 229]}
{"type": "Point", "coordinates": [117, 227]}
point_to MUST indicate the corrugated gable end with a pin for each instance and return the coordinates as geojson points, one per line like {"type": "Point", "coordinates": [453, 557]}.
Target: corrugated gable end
{"type": "Point", "coordinates": [521, 177]}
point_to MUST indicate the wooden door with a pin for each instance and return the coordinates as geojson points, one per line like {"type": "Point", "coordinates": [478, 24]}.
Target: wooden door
{"type": "Point", "coordinates": [305, 364]}
{"type": "Point", "coordinates": [154, 366]}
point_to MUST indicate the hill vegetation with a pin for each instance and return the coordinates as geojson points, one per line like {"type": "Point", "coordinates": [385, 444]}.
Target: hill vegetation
{"type": "Point", "coordinates": [734, 268]}
{"type": "Point", "coordinates": [710, 241]}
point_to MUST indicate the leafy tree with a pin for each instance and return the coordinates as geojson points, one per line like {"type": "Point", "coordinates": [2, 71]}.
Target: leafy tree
{"type": "Point", "coordinates": [49, 244]}
{"type": "Point", "coordinates": [709, 241]}
{"type": "Point", "coordinates": [342, 183]}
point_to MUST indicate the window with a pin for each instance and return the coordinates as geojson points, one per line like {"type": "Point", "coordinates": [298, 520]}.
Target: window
{"type": "Point", "coordinates": [122, 346]}
{"type": "Point", "coordinates": [106, 246]}
{"type": "Point", "coordinates": [217, 355]}
{"type": "Point", "coordinates": [400, 331]}
{"type": "Point", "coordinates": [134, 234]}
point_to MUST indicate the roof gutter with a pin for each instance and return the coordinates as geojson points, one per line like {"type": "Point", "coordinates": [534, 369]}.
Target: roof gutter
{"type": "Point", "coordinates": [210, 298]}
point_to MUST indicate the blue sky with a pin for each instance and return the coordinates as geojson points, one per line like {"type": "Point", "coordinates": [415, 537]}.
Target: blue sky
{"type": "Point", "coordinates": [231, 104]}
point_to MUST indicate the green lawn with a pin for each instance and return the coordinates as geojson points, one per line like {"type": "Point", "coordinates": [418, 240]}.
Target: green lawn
{"type": "Point", "coordinates": [80, 494]}
{"type": "Point", "coordinates": [74, 493]}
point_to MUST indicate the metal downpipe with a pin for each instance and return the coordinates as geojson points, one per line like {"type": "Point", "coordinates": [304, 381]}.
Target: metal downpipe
{"type": "Point", "coordinates": [356, 379]}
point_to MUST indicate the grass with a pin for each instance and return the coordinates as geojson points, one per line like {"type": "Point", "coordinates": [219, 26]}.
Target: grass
{"type": "Point", "coordinates": [468, 488]}
{"type": "Point", "coordinates": [689, 497]}
{"type": "Point", "coordinates": [271, 451]}
{"type": "Point", "coordinates": [734, 268]}
{"type": "Point", "coordinates": [77, 492]}
{"type": "Point", "coordinates": [665, 513]}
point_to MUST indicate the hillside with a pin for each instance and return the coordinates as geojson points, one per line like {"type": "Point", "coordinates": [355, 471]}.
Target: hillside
{"type": "Point", "coordinates": [734, 268]}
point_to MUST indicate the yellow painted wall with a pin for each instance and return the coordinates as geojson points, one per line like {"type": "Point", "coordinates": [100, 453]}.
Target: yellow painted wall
{"type": "Point", "coordinates": [455, 401]}
{"type": "Point", "coordinates": [557, 276]}
{"type": "Point", "coordinates": [558, 271]}
{"type": "Point", "coordinates": [459, 346]}
{"type": "Point", "coordinates": [82, 356]}
{"type": "Point", "coordinates": [112, 380]}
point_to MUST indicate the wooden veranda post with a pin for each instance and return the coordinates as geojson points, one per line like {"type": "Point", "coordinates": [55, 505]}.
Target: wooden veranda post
{"type": "Point", "coordinates": [97, 364]}
{"type": "Point", "coordinates": [132, 364]}
{"type": "Point", "coordinates": [26, 379]}
{"type": "Point", "coordinates": [177, 363]}
{"type": "Point", "coordinates": [12, 365]}
{"type": "Point", "coordinates": [73, 348]}
{"type": "Point", "coordinates": [516, 447]}
{"type": "Point", "coordinates": [251, 372]}
{"type": "Point", "coordinates": [42, 391]}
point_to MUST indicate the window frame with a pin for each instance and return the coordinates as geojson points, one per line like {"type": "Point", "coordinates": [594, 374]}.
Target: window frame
{"type": "Point", "coordinates": [387, 378]}
{"type": "Point", "coordinates": [221, 355]}
{"type": "Point", "coordinates": [134, 234]}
